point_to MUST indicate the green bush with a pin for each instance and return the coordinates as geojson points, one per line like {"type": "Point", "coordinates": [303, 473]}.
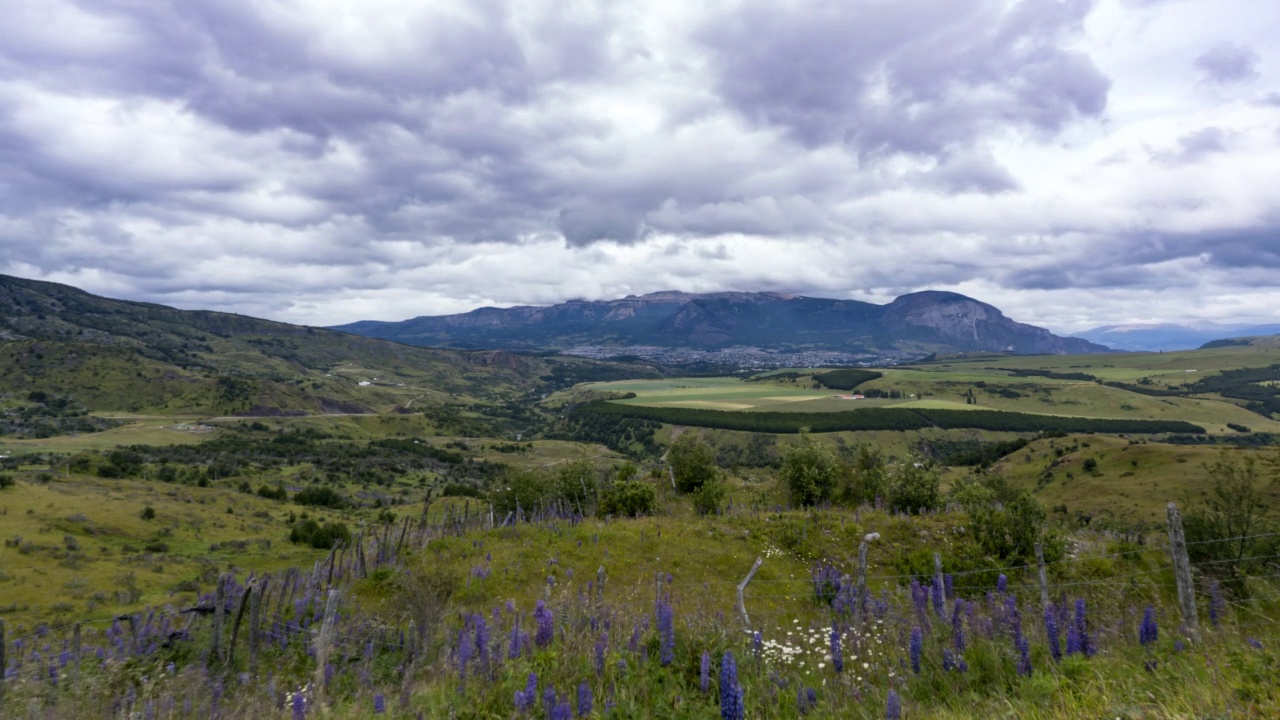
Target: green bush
{"type": "Point", "coordinates": [693, 462]}
{"type": "Point", "coordinates": [320, 497]}
{"type": "Point", "coordinates": [811, 472]}
{"type": "Point", "coordinates": [6, 481]}
{"type": "Point", "coordinates": [310, 532]}
{"type": "Point", "coordinates": [707, 499]}
{"type": "Point", "coordinates": [914, 488]}
{"type": "Point", "coordinates": [629, 498]}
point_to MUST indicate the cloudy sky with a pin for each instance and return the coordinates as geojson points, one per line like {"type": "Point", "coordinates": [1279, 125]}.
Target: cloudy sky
{"type": "Point", "coordinates": [1075, 163]}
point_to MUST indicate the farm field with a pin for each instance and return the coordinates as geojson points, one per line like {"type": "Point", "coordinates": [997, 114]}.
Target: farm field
{"type": "Point", "coordinates": [941, 388]}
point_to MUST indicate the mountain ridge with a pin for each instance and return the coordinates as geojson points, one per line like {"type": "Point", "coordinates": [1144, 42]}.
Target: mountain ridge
{"type": "Point", "coordinates": [926, 321]}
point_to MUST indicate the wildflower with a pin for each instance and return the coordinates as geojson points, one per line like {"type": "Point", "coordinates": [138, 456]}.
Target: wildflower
{"type": "Point", "coordinates": [893, 707]}
{"type": "Point", "coordinates": [666, 633]}
{"type": "Point", "coordinates": [1082, 634]}
{"type": "Point", "coordinates": [917, 641]}
{"type": "Point", "coordinates": [525, 698]}
{"type": "Point", "coordinates": [1254, 643]}
{"type": "Point", "coordinates": [1149, 631]}
{"type": "Point", "coordinates": [1024, 655]}
{"type": "Point", "coordinates": [837, 653]}
{"type": "Point", "coordinates": [730, 691]}
{"type": "Point", "coordinates": [379, 704]}
{"type": "Point", "coordinates": [513, 653]}
{"type": "Point", "coordinates": [560, 711]}
{"type": "Point", "coordinates": [948, 585]}
{"type": "Point", "coordinates": [806, 700]}
{"type": "Point", "coordinates": [1051, 630]}
{"type": "Point", "coordinates": [585, 700]}
{"type": "Point", "coordinates": [948, 661]}
{"type": "Point", "coordinates": [1002, 583]}
{"type": "Point", "coordinates": [935, 595]}
{"type": "Point", "coordinates": [482, 639]}
{"type": "Point", "coordinates": [299, 707]}
{"type": "Point", "coordinates": [704, 677]}
{"type": "Point", "coordinates": [757, 644]}
{"type": "Point", "coordinates": [549, 699]}
{"type": "Point", "coordinates": [601, 645]}
{"type": "Point", "coordinates": [544, 621]}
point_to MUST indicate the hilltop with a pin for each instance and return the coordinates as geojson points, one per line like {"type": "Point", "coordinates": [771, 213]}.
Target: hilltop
{"type": "Point", "coordinates": [118, 355]}
{"type": "Point", "coordinates": [920, 322]}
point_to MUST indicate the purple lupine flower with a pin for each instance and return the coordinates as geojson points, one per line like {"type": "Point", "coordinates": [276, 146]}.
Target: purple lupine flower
{"type": "Point", "coordinates": [1082, 631]}
{"type": "Point", "coordinates": [935, 595]}
{"type": "Point", "coordinates": [837, 652]}
{"type": "Point", "coordinates": [585, 700]}
{"type": "Point", "coordinates": [560, 711]}
{"type": "Point", "coordinates": [757, 644]}
{"type": "Point", "coordinates": [1024, 655]}
{"type": "Point", "coordinates": [1002, 583]}
{"type": "Point", "coordinates": [666, 633]}
{"type": "Point", "coordinates": [1073, 640]}
{"type": "Point", "coordinates": [601, 646]}
{"type": "Point", "coordinates": [525, 698]}
{"type": "Point", "coordinates": [917, 641]}
{"type": "Point", "coordinates": [482, 639]}
{"type": "Point", "coordinates": [806, 700]}
{"type": "Point", "coordinates": [957, 626]}
{"type": "Point", "coordinates": [549, 699]}
{"type": "Point", "coordinates": [513, 652]}
{"type": "Point", "coordinates": [1254, 643]}
{"type": "Point", "coordinates": [920, 597]}
{"type": "Point", "coordinates": [1216, 603]}
{"type": "Point", "coordinates": [949, 585]}
{"type": "Point", "coordinates": [730, 692]}
{"type": "Point", "coordinates": [379, 704]}
{"type": "Point", "coordinates": [1051, 631]}
{"type": "Point", "coordinates": [961, 665]}
{"type": "Point", "coordinates": [893, 707]}
{"type": "Point", "coordinates": [544, 621]}
{"type": "Point", "coordinates": [1149, 631]}
{"type": "Point", "coordinates": [633, 645]}
{"type": "Point", "coordinates": [299, 707]}
{"type": "Point", "coordinates": [1013, 617]}
{"type": "Point", "coordinates": [948, 661]}
{"type": "Point", "coordinates": [704, 675]}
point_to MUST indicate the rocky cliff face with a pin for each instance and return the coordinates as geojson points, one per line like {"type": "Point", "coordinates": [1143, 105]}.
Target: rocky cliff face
{"type": "Point", "coordinates": [932, 320]}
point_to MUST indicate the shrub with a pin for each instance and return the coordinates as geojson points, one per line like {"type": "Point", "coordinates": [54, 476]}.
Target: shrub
{"type": "Point", "coordinates": [810, 472]}
{"type": "Point", "coordinates": [273, 493]}
{"type": "Point", "coordinates": [148, 513]}
{"type": "Point", "coordinates": [310, 532]}
{"type": "Point", "coordinates": [630, 498]}
{"type": "Point", "coordinates": [320, 497]}
{"type": "Point", "coordinates": [707, 499]}
{"type": "Point", "coordinates": [460, 490]}
{"type": "Point", "coordinates": [914, 488]}
{"type": "Point", "coordinates": [6, 481]}
{"type": "Point", "coordinates": [692, 461]}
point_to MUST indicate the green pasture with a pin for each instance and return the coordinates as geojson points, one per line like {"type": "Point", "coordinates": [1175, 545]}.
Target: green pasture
{"type": "Point", "coordinates": [167, 431]}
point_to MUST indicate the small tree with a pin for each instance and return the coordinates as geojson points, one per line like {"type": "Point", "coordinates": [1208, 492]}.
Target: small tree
{"type": "Point", "coordinates": [1234, 512]}
{"type": "Point", "coordinates": [693, 462]}
{"type": "Point", "coordinates": [867, 479]}
{"type": "Point", "coordinates": [707, 499]}
{"type": "Point", "coordinates": [810, 472]}
{"type": "Point", "coordinates": [148, 513]}
{"type": "Point", "coordinates": [914, 487]}
{"type": "Point", "coordinates": [629, 498]}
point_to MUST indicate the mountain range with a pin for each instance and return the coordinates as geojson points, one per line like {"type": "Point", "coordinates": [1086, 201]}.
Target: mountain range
{"type": "Point", "coordinates": [1171, 336]}
{"type": "Point", "coordinates": [920, 322]}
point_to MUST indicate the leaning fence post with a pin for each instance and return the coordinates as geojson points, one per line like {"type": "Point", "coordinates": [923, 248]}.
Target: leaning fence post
{"type": "Point", "coordinates": [219, 608]}
{"type": "Point", "coordinates": [742, 588]}
{"type": "Point", "coordinates": [937, 575]}
{"type": "Point", "coordinates": [1182, 569]}
{"type": "Point", "coordinates": [323, 640]}
{"type": "Point", "coordinates": [1044, 577]}
{"type": "Point", "coordinates": [235, 625]}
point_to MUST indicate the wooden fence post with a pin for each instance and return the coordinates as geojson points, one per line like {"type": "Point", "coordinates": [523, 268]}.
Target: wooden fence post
{"type": "Point", "coordinates": [323, 640]}
{"type": "Point", "coordinates": [235, 625]}
{"type": "Point", "coordinates": [862, 574]}
{"type": "Point", "coordinates": [1044, 577]}
{"type": "Point", "coordinates": [1182, 570]}
{"type": "Point", "coordinates": [219, 608]}
{"type": "Point", "coordinates": [742, 588]}
{"type": "Point", "coordinates": [937, 578]}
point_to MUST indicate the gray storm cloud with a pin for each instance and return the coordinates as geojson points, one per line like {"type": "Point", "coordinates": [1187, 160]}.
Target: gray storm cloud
{"type": "Point", "coordinates": [323, 162]}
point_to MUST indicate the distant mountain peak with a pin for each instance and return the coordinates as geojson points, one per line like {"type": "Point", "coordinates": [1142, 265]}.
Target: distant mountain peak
{"type": "Point", "coordinates": [926, 321]}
